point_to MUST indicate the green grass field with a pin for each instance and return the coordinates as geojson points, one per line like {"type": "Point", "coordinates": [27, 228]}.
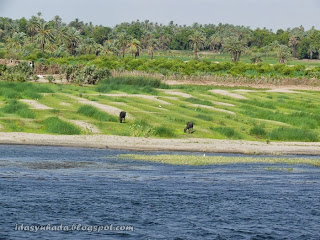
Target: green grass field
{"type": "Point", "coordinates": [262, 116]}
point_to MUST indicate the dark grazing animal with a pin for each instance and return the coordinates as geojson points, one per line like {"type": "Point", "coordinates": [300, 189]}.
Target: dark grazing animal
{"type": "Point", "coordinates": [189, 127]}
{"type": "Point", "coordinates": [122, 116]}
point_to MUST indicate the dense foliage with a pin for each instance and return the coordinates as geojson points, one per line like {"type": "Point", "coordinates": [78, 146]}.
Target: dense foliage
{"type": "Point", "coordinates": [36, 38]}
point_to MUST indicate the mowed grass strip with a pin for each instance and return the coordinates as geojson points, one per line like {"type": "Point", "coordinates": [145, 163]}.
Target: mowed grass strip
{"type": "Point", "coordinates": [56, 125]}
{"type": "Point", "coordinates": [216, 160]}
{"type": "Point", "coordinates": [95, 113]}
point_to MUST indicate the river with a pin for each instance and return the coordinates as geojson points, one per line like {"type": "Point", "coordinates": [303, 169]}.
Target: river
{"type": "Point", "coordinates": [79, 193]}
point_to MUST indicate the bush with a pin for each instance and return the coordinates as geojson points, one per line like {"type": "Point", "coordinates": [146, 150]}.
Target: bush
{"type": "Point", "coordinates": [258, 131]}
{"type": "Point", "coordinates": [15, 107]}
{"type": "Point", "coordinates": [227, 131]}
{"type": "Point", "coordinates": [293, 134]}
{"type": "Point", "coordinates": [163, 131]}
{"type": "Point", "coordinates": [56, 125]}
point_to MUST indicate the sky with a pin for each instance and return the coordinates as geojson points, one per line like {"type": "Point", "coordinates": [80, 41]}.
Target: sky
{"type": "Point", "coordinates": [272, 14]}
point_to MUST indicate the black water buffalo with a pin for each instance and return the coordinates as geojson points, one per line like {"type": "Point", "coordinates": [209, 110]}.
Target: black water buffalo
{"type": "Point", "coordinates": [122, 116]}
{"type": "Point", "coordinates": [189, 127]}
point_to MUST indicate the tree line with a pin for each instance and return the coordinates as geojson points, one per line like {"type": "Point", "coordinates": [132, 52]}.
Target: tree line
{"type": "Point", "coordinates": [36, 38]}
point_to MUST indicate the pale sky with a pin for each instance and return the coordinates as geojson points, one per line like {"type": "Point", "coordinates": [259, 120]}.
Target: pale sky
{"type": "Point", "coordinates": [272, 14]}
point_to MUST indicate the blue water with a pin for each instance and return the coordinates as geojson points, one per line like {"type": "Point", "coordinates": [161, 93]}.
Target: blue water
{"type": "Point", "coordinates": [92, 187]}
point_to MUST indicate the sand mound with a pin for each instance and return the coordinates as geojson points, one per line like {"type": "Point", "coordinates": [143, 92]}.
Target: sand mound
{"type": "Point", "coordinates": [177, 93]}
{"type": "Point", "coordinates": [228, 94]}
{"type": "Point", "coordinates": [213, 108]}
{"type": "Point", "coordinates": [86, 126]}
{"type": "Point", "coordinates": [35, 105]}
{"type": "Point", "coordinates": [223, 104]}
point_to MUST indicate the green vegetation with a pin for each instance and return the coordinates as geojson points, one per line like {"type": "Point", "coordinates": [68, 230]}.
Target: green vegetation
{"type": "Point", "coordinates": [207, 160]}
{"type": "Point", "coordinates": [95, 113]}
{"type": "Point", "coordinates": [130, 84]}
{"type": "Point", "coordinates": [56, 125]}
{"type": "Point", "coordinates": [15, 107]}
{"type": "Point", "coordinates": [263, 116]}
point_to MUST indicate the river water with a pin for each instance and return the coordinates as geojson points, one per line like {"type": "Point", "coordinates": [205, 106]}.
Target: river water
{"type": "Point", "coordinates": [78, 193]}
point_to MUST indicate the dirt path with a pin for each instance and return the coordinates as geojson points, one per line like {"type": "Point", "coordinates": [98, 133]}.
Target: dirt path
{"type": "Point", "coordinates": [35, 105]}
{"type": "Point", "coordinates": [153, 98]}
{"type": "Point", "coordinates": [213, 108]}
{"type": "Point", "coordinates": [153, 144]}
{"type": "Point", "coordinates": [228, 94]}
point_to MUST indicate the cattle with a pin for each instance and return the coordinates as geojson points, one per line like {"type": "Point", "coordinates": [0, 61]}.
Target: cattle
{"type": "Point", "coordinates": [189, 127]}
{"type": "Point", "coordinates": [122, 116]}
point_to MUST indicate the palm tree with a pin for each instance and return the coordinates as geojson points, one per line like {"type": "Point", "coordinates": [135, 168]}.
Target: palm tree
{"type": "Point", "coordinates": [293, 43]}
{"type": "Point", "coordinates": [135, 47]}
{"type": "Point", "coordinates": [123, 42]}
{"type": "Point", "coordinates": [215, 41]}
{"type": "Point", "coordinates": [312, 49]}
{"type": "Point", "coordinates": [197, 40]}
{"type": "Point", "coordinates": [32, 26]}
{"type": "Point", "coordinates": [72, 39]}
{"type": "Point", "coordinates": [283, 51]}
{"type": "Point", "coordinates": [235, 47]}
{"type": "Point", "coordinates": [152, 47]}
{"type": "Point", "coordinates": [109, 47]}
{"type": "Point", "coordinates": [45, 33]}
{"type": "Point", "coordinates": [15, 43]}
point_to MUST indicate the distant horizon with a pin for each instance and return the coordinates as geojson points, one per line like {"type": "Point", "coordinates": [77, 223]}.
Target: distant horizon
{"type": "Point", "coordinates": [269, 14]}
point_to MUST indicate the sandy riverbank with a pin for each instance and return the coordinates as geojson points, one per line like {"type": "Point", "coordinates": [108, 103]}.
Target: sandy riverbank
{"type": "Point", "coordinates": [153, 144]}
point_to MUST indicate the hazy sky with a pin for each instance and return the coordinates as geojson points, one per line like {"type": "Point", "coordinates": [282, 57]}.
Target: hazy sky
{"type": "Point", "coordinates": [273, 14]}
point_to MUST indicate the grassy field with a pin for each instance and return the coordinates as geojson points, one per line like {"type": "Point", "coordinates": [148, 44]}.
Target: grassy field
{"type": "Point", "coordinates": [261, 115]}
{"type": "Point", "coordinates": [223, 57]}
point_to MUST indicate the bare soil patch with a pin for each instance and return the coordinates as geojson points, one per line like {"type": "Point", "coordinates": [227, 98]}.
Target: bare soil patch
{"type": "Point", "coordinates": [35, 105]}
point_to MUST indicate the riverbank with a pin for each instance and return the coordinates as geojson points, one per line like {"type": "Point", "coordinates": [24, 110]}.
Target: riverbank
{"type": "Point", "coordinates": [156, 144]}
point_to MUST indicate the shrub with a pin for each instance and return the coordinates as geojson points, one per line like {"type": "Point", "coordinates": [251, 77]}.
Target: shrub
{"type": "Point", "coordinates": [15, 107]}
{"type": "Point", "coordinates": [258, 131]}
{"type": "Point", "coordinates": [56, 125]}
{"type": "Point", "coordinates": [293, 134]}
{"type": "Point", "coordinates": [226, 131]}
{"type": "Point", "coordinates": [163, 131]}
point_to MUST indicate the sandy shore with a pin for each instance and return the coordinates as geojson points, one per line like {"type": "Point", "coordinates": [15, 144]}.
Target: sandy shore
{"type": "Point", "coordinates": [153, 144]}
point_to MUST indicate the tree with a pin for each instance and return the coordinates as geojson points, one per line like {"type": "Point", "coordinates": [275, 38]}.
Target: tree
{"type": "Point", "coordinates": [293, 43]}
{"type": "Point", "coordinates": [45, 33]}
{"type": "Point", "coordinates": [235, 47]}
{"type": "Point", "coordinates": [135, 47]}
{"type": "Point", "coordinates": [312, 49]}
{"type": "Point", "coordinates": [123, 42]}
{"type": "Point", "coordinates": [151, 47]}
{"type": "Point", "coordinates": [197, 40]}
{"type": "Point", "coordinates": [15, 43]}
{"type": "Point", "coordinates": [283, 51]}
{"type": "Point", "coordinates": [101, 34]}
{"type": "Point", "coordinates": [215, 42]}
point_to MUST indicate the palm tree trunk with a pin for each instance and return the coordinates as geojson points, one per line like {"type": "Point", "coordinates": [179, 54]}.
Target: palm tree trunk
{"type": "Point", "coordinates": [195, 50]}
